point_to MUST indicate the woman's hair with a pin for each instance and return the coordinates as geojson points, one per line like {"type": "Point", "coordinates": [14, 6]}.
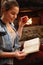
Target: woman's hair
{"type": "Point", "coordinates": [7, 5]}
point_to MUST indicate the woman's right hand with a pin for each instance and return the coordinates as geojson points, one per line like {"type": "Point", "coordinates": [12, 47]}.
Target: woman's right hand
{"type": "Point", "coordinates": [20, 55]}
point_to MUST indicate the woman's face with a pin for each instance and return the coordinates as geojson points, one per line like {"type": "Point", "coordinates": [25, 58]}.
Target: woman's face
{"type": "Point", "coordinates": [11, 14]}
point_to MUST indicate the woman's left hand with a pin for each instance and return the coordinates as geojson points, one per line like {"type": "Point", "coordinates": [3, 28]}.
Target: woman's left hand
{"type": "Point", "coordinates": [23, 20]}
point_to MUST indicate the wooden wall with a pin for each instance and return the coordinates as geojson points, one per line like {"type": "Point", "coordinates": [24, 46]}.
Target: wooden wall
{"type": "Point", "coordinates": [37, 16]}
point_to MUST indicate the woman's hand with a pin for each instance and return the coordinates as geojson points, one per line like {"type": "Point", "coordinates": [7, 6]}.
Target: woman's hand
{"type": "Point", "coordinates": [20, 55]}
{"type": "Point", "coordinates": [23, 21]}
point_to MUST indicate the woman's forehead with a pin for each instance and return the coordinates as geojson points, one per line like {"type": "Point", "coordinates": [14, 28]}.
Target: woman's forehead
{"type": "Point", "coordinates": [14, 9]}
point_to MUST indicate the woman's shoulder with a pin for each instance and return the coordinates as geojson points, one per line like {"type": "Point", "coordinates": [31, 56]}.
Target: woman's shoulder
{"type": "Point", "coordinates": [1, 27]}
{"type": "Point", "coordinates": [2, 30]}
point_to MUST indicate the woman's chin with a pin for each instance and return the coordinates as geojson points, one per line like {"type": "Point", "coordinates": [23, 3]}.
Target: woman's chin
{"type": "Point", "coordinates": [11, 20]}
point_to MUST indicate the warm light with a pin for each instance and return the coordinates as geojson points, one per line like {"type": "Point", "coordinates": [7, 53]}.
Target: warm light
{"type": "Point", "coordinates": [29, 21]}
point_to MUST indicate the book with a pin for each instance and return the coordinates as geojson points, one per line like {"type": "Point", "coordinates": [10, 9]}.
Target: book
{"type": "Point", "coordinates": [31, 46]}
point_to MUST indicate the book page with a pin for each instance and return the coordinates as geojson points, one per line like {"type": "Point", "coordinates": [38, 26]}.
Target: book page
{"type": "Point", "coordinates": [31, 46]}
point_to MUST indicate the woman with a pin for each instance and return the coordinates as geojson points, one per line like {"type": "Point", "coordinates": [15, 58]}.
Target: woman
{"type": "Point", "coordinates": [9, 46]}
{"type": "Point", "coordinates": [9, 38]}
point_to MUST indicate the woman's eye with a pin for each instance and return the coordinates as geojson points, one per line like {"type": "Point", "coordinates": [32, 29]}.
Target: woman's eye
{"type": "Point", "coordinates": [13, 13]}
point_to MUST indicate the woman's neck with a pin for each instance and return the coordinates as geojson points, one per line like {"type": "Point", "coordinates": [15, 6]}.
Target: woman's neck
{"type": "Point", "coordinates": [4, 20]}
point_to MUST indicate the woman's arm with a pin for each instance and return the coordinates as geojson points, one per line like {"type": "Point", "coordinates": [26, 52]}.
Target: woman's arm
{"type": "Point", "coordinates": [17, 54]}
{"type": "Point", "coordinates": [7, 54]}
{"type": "Point", "coordinates": [21, 25]}
{"type": "Point", "coordinates": [20, 29]}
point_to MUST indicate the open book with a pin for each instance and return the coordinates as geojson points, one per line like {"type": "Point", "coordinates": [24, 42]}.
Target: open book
{"type": "Point", "coordinates": [31, 46]}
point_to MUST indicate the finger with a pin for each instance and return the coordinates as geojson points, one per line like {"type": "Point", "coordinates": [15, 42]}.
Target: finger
{"type": "Point", "coordinates": [21, 58]}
